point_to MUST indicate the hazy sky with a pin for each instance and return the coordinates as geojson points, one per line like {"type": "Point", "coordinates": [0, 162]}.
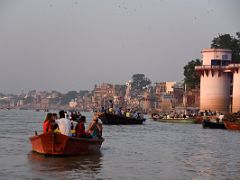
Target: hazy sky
{"type": "Point", "coordinates": [73, 44]}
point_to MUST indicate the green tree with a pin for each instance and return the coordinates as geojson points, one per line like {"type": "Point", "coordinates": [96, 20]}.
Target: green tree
{"type": "Point", "coordinates": [226, 41]}
{"type": "Point", "coordinates": [192, 78]}
{"type": "Point", "coordinates": [138, 82]}
{"type": "Point", "coordinates": [68, 97]}
{"type": "Point", "coordinates": [83, 93]}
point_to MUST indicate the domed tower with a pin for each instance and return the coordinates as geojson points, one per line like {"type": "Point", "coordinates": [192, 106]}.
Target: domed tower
{"type": "Point", "coordinates": [215, 80]}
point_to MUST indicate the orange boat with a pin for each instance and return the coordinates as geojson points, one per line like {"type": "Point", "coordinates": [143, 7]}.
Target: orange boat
{"type": "Point", "coordinates": [232, 125]}
{"type": "Point", "coordinates": [59, 144]}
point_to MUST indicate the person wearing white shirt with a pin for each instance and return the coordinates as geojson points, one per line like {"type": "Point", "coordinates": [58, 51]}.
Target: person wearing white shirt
{"type": "Point", "coordinates": [221, 116]}
{"type": "Point", "coordinates": [63, 124]}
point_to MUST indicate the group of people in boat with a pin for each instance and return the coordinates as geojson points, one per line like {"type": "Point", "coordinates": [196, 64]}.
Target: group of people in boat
{"type": "Point", "coordinates": [193, 114]}
{"type": "Point", "coordinates": [72, 125]}
{"type": "Point", "coordinates": [126, 112]}
{"type": "Point", "coordinates": [174, 115]}
{"type": "Point", "coordinates": [120, 111]}
{"type": "Point", "coordinates": [208, 114]}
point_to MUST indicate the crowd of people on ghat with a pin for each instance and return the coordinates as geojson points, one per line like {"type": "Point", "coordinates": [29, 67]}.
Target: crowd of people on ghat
{"type": "Point", "coordinates": [73, 125]}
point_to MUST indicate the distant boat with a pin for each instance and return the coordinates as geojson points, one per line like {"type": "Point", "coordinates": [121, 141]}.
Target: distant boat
{"type": "Point", "coordinates": [187, 120]}
{"type": "Point", "coordinates": [113, 119]}
{"type": "Point", "coordinates": [61, 145]}
{"type": "Point", "coordinates": [232, 125]}
{"type": "Point", "coordinates": [213, 125]}
{"type": "Point", "coordinates": [178, 120]}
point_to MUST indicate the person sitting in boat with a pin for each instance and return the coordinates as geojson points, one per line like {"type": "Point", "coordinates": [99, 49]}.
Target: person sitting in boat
{"type": "Point", "coordinates": [123, 112]}
{"type": "Point", "coordinates": [95, 128]}
{"type": "Point", "coordinates": [80, 128]}
{"type": "Point", "coordinates": [72, 131]}
{"type": "Point", "coordinates": [55, 126]}
{"type": "Point", "coordinates": [128, 113]}
{"type": "Point", "coordinates": [48, 123]}
{"type": "Point", "coordinates": [136, 114]}
{"type": "Point", "coordinates": [63, 124]}
{"type": "Point", "coordinates": [110, 110]}
{"type": "Point", "coordinates": [79, 115]}
{"type": "Point", "coordinates": [119, 111]}
{"type": "Point", "coordinates": [221, 116]}
{"type": "Point", "coordinates": [103, 110]}
{"type": "Point", "coordinates": [184, 116]}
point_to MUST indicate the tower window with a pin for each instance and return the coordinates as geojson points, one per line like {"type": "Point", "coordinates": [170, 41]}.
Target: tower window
{"type": "Point", "coordinates": [225, 62]}
{"type": "Point", "coordinates": [215, 62]}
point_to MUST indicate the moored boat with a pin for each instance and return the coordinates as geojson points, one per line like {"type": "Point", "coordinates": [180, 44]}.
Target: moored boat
{"type": "Point", "coordinates": [113, 119]}
{"type": "Point", "coordinates": [232, 125]}
{"type": "Point", "coordinates": [178, 120]}
{"type": "Point", "coordinates": [213, 125]}
{"type": "Point", "coordinates": [59, 144]}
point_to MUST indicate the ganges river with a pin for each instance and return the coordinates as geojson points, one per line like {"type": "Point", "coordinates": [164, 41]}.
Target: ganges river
{"type": "Point", "coordinates": [151, 151]}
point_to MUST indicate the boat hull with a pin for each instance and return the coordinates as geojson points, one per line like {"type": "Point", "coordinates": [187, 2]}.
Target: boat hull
{"type": "Point", "coordinates": [213, 125]}
{"type": "Point", "coordinates": [59, 144]}
{"type": "Point", "coordinates": [232, 125]}
{"type": "Point", "coordinates": [113, 119]}
{"type": "Point", "coordinates": [183, 121]}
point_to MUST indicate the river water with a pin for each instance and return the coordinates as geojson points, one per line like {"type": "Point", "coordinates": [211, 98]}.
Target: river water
{"type": "Point", "coordinates": [151, 151]}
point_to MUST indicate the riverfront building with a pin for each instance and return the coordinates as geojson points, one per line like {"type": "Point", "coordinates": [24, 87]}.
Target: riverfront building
{"type": "Point", "coordinates": [220, 81]}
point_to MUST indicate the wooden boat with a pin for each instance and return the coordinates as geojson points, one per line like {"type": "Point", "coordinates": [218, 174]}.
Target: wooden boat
{"type": "Point", "coordinates": [59, 144]}
{"type": "Point", "coordinates": [200, 119]}
{"type": "Point", "coordinates": [178, 120]}
{"type": "Point", "coordinates": [213, 125]}
{"type": "Point", "coordinates": [232, 125]}
{"type": "Point", "coordinates": [113, 119]}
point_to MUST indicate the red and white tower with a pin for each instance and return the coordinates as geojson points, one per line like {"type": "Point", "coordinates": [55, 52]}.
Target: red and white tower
{"type": "Point", "coordinates": [215, 80]}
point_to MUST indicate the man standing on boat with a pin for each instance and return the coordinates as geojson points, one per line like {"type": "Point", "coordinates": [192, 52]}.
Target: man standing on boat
{"type": "Point", "coordinates": [63, 124]}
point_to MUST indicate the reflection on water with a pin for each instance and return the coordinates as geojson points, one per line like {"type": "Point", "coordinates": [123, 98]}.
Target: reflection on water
{"type": "Point", "coordinates": [85, 165]}
{"type": "Point", "coordinates": [151, 151]}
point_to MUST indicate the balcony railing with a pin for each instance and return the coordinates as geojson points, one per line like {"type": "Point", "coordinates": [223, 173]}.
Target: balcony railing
{"type": "Point", "coordinates": [218, 67]}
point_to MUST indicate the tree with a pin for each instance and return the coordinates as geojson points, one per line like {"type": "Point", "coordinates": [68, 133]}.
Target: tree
{"type": "Point", "coordinates": [139, 81]}
{"type": "Point", "coordinates": [68, 97]}
{"type": "Point", "coordinates": [83, 93]}
{"type": "Point", "coordinates": [226, 41]}
{"type": "Point", "coordinates": [192, 78]}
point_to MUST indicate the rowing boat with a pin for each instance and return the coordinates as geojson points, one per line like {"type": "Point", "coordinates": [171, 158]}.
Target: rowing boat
{"type": "Point", "coordinates": [59, 144]}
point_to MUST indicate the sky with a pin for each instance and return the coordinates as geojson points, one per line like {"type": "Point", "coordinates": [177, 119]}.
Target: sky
{"type": "Point", "coordinates": [68, 45]}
